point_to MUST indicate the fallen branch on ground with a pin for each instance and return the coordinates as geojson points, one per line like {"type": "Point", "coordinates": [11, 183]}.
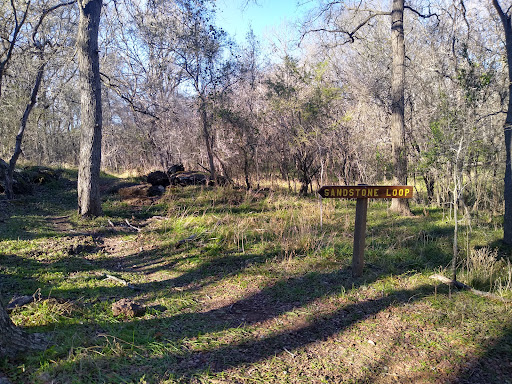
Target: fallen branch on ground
{"type": "Point", "coordinates": [460, 285]}
{"type": "Point", "coordinates": [187, 240]}
{"type": "Point", "coordinates": [131, 226]}
{"type": "Point", "coordinates": [123, 282]}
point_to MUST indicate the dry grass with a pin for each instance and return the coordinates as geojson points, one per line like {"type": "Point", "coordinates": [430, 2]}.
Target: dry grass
{"type": "Point", "coordinates": [484, 269]}
{"type": "Point", "coordinates": [248, 287]}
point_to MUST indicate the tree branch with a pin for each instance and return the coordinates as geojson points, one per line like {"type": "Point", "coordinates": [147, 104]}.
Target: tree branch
{"type": "Point", "coordinates": [490, 114]}
{"type": "Point", "coordinates": [502, 15]}
{"type": "Point", "coordinates": [45, 13]}
{"type": "Point", "coordinates": [350, 34]}
{"type": "Point", "coordinates": [17, 27]}
{"type": "Point", "coordinates": [463, 286]}
{"type": "Point", "coordinates": [420, 14]}
{"type": "Point", "coordinates": [129, 100]}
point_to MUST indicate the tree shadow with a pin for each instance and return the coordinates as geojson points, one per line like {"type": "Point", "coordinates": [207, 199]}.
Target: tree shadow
{"type": "Point", "coordinates": [15, 282]}
{"type": "Point", "coordinates": [268, 303]}
{"type": "Point", "coordinates": [255, 309]}
{"type": "Point", "coordinates": [494, 365]}
{"type": "Point", "coordinates": [320, 329]}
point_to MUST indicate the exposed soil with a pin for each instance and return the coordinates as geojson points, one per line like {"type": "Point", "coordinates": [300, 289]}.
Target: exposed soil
{"type": "Point", "coordinates": [222, 315]}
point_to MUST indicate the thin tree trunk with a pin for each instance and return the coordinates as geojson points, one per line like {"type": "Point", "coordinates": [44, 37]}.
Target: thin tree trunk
{"type": "Point", "coordinates": [4, 166]}
{"type": "Point", "coordinates": [9, 172]}
{"type": "Point", "coordinates": [430, 185]}
{"type": "Point", "coordinates": [207, 140]}
{"type": "Point", "coordinates": [89, 202]}
{"type": "Point", "coordinates": [455, 224]}
{"type": "Point", "coordinates": [256, 160]}
{"type": "Point", "coordinates": [397, 104]}
{"type": "Point", "coordinates": [507, 128]}
{"type": "Point", "coordinates": [246, 171]}
{"type": "Point", "coordinates": [14, 38]}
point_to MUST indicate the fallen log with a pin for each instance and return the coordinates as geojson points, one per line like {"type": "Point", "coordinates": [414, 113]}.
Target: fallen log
{"type": "Point", "coordinates": [459, 285]}
{"type": "Point", "coordinates": [142, 190]}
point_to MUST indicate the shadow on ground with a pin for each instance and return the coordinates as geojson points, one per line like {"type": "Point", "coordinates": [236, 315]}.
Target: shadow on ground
{"type": "Point", "coordinates": [161, 346]}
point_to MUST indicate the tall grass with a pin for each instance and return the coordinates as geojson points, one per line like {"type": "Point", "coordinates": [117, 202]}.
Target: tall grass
{"type": "Point", "coordinates": [483, 269]}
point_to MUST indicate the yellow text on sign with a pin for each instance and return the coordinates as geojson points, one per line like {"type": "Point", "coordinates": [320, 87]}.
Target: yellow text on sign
{"type": "Point", "coordinates": [358, 192]}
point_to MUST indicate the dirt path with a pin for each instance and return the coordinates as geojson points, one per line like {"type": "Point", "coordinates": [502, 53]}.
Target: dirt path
{"type": "Point", "coordinates": [59, 223]}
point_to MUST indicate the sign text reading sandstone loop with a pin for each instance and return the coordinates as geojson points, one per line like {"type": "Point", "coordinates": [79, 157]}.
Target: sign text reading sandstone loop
{"type": "Point", "coordinates": [366, 192]}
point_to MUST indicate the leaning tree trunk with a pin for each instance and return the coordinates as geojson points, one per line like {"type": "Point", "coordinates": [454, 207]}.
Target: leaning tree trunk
{"type": "Point", "coordinates": [13, 340]}
{"type": "Point", "coordinates": [89, 202]}
{"type": "Point", "coordinates": [507, 220]}
{"type": "Point", "coordinates": [397, 104]}
{"type": "Point", "coordinates": [9, 172]}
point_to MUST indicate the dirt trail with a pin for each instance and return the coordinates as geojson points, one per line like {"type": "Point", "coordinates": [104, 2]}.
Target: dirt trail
{"type": "Point", "coordinates": [60, 223]}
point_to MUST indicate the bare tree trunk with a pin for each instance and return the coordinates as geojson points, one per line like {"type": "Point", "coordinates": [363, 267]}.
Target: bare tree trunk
{"type": "Point", "coordinates": [256, 160]}
{"type": "Point", "coordinates": [89, 202]}
{"type": "Point", "coordinates": [207, 140]}
{"type": "Point", "coordinates": [430, 184]}
{"type": "Point", "coordinates": [507, 221]}
{"type": "Point", "coordinates": [246, 170]}
{"type": "Point", "coordinates": [9, 172]}
{"type": "Point", "coordinates": [13, 340]}
{"type": "Point", "coordinates": [397, 104]}
{"type": "Point", "coordinates": [457, 198]}
{"type": "Point", "coordinates": [4, 166]}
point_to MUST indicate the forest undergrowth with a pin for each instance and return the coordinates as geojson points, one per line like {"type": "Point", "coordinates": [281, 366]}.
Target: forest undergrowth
{"type": "Point", "coordinates": [250, 287]}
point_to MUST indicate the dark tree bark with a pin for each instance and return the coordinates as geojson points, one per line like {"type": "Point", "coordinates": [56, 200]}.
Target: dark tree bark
{"type": "Point", "coordinates": [7, 55]}
{"type": "Point", "coordinates": [207, 139]}
{"type": "Point", "coordinates": [397, 104]}
{"type": "Point", "coordinates": [9, 171]}
{"type": "Point", "coordinates": [89, 202]}
{"type": "Point", "coordinates": [428, 178]}
{"type": "Point", "coordinates": [13, 340]}
{"type": "Point", "coordinates": [507, 128]}
{"type": "Point", "coordinates": [246, 169]}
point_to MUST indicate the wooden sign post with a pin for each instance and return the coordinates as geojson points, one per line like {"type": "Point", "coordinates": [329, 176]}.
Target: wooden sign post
{"type": "Point", "coordinates": [362, 193]}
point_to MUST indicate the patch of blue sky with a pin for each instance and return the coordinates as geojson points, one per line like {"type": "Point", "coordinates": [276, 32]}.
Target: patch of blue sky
{"type": "Point", "coordinates": [237, 17]}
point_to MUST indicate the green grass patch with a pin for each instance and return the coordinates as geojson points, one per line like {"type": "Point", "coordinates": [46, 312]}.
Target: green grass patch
{"type": "Point", "coordinates": [249, 287]}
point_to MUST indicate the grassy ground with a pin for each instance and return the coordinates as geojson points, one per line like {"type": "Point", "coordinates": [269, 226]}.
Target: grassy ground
{"type": "Point", "coordinates": [246, 287]}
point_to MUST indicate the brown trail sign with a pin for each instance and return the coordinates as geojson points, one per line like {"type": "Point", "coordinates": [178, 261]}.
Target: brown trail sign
{"type": "Point", "coordinates": [362, 193]}
{"type": "Point", "coordinates": [365, 191]}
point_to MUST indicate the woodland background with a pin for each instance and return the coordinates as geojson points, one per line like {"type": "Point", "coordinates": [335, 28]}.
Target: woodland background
{"type": "Point", "coordinates": [311, 110]}
{"type": "Point", "coordinates": [249, 282]}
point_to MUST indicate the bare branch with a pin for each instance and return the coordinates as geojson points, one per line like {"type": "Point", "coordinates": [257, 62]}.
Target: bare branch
{"type": "Point", "coordinates": [12, 43]}
{"type": "Point", "coordinates": [350, 34]}
{"type": "Point", "coordinates": [45, 13]}
{"type": "Point", "coordinates": [416, 12]}
{"type": "Point", "coordinates": [108, 83]}
{"type": "Point", "coordinates": [490, 115]}
{"type": "Point", "coordinates": [463, 6]}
